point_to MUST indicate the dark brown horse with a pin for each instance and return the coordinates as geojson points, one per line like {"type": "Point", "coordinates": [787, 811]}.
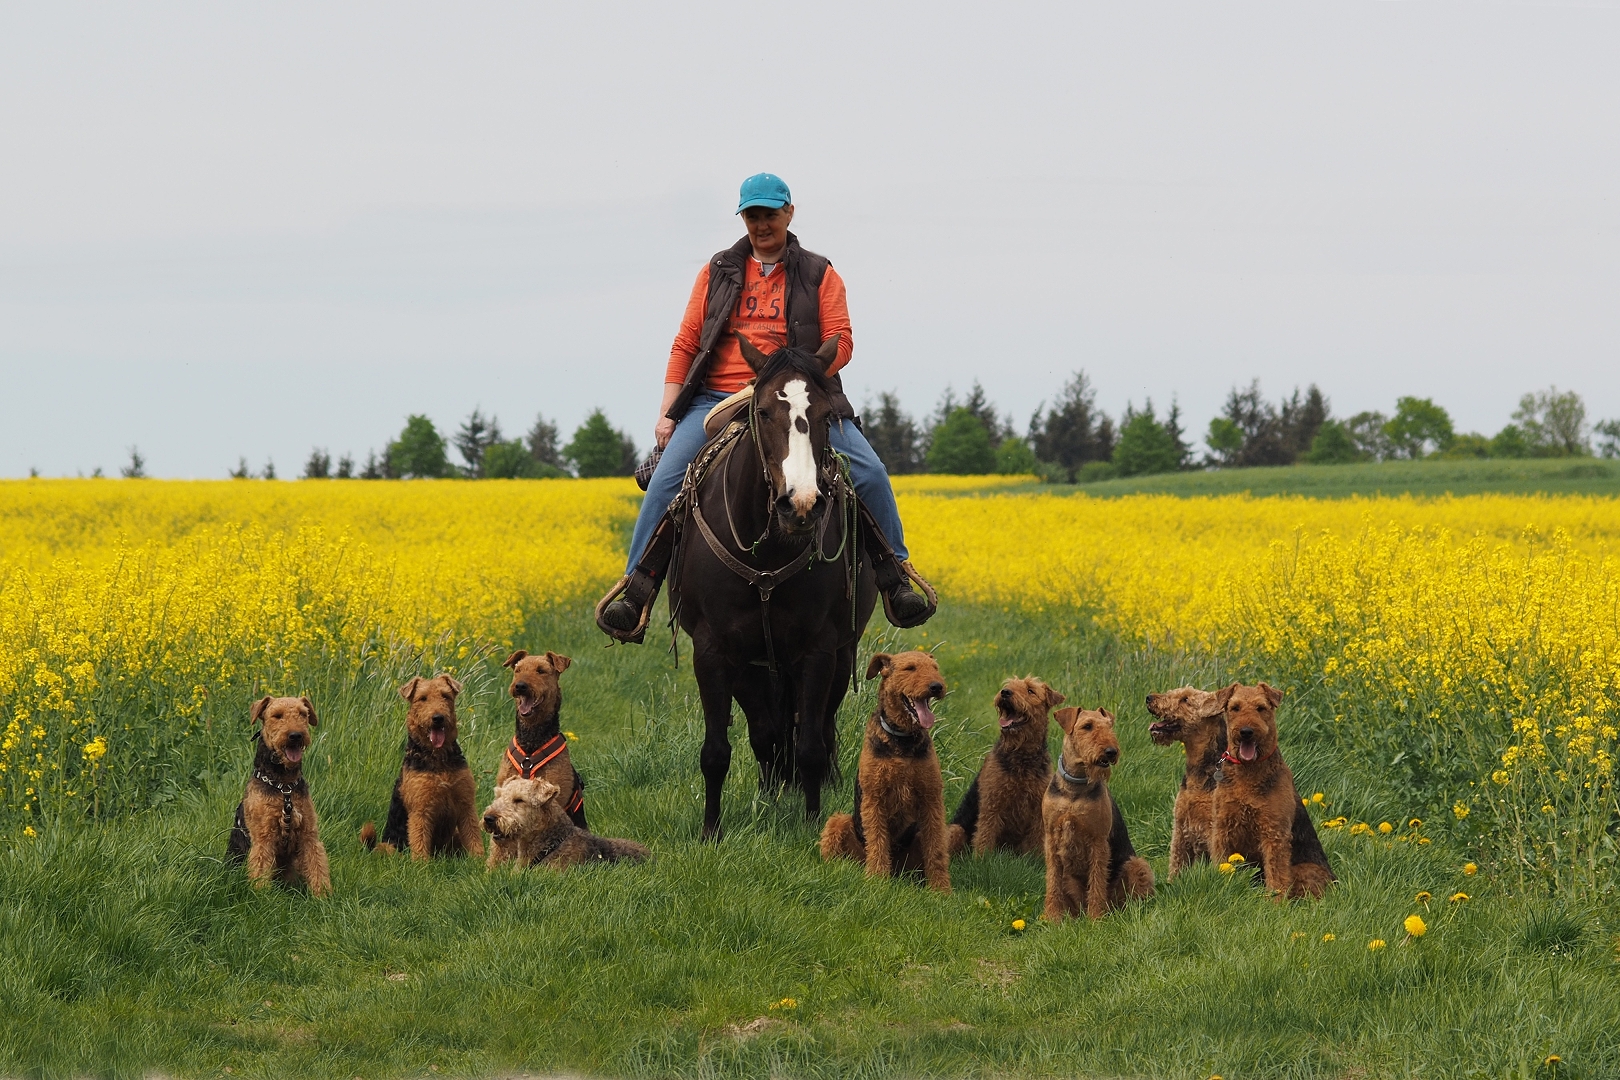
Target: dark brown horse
{"type": "Point", "coordinates": [770, 586]}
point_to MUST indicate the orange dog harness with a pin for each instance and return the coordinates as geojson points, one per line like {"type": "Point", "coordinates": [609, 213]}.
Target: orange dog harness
{"type": "Point", "coordinates": [528, 765]}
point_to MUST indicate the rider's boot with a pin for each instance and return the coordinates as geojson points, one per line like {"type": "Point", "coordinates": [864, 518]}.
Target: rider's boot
{"type": "Point", "coordinates": [903, 605]}
{"type": "Point", "coordinates": [624, 612]}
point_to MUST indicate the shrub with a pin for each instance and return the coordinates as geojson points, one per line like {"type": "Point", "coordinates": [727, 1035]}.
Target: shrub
{"type": "Point", "coordinates": [1093, 471]}
{"type": "Point", "coordinates": [1468, 445]}
{"type": "Point", "coordinates": [1418, 428]}
{"type": "Point", "coordinates": [1334, 445]}
{"type": "Point", "coordinates": [961, 445]}
{"type": "Point", "coordinates": [1015, 458]}
{"type": "Point", "coordinates": [419, 450]}
{"type": "Point", "coordinates": [1510, 443]}
{"type": "Point", "coordinates": [513, 461]}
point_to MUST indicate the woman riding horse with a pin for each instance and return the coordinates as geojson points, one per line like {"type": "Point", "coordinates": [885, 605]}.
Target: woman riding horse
{"type": "Point", "coordinates": [773, 292]}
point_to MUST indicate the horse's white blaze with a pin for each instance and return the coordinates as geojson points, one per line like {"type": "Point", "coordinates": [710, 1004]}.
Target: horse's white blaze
{"type": "Point", "coordinates": [799, 468]}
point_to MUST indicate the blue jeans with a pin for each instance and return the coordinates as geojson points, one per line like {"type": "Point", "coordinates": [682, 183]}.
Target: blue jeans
{"type": "Point", "coordinates": [865, 468]}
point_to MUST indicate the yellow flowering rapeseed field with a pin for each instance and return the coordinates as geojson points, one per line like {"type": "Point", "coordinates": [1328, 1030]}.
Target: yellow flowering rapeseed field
{"type": "Point", "coordinates": [1467, 647]}
{"type": "Point", "coordinates": [126, 607]}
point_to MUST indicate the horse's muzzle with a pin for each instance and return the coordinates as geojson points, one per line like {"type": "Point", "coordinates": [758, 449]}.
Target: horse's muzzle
{"type": "Point", "coordinates": [793, 521]}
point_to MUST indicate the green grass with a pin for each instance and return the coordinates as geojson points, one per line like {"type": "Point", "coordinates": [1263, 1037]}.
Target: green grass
{"type": "Point", "coordinates": [1550, 476]}
{"type": "Point", "coordinates": [131, 948]}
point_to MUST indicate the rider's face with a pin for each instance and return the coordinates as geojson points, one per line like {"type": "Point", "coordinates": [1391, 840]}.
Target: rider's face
{"type": "Point", "coordinates": [767, 229]}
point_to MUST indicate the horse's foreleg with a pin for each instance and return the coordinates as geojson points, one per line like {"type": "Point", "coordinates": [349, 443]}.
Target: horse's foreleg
{"type": "Point", "coordinates": [815, 679]}
{"type": "Point", "coordinates": [714, 688]}
{"type": "Point", "coordinates": [753, 696]}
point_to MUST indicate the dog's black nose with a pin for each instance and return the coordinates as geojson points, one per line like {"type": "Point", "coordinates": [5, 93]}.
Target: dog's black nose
{"type": "Point", "coordinates": [937, 689]}
{"type": "Point", "coordinates": [1110, 755]}
{"type": "Point", "coordinates": [1149, 700]}
{"type": "Point", "coordinates": [439, 719]}
{"type": "Point", "coordinates": [1005, 695]}
{"type": "Point", "coordinates": [489, 822]}
{"type": "Point", "coordinates": [1247, 733]}
{"type": "Point", "coordinates": [295, 740]}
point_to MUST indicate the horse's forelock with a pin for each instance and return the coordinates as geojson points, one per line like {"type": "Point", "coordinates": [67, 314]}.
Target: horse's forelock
{"type": "Point", "coordinates": [791, 361]}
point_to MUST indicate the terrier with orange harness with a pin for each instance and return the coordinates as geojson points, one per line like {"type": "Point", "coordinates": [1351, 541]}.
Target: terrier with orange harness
{"type": "Point", "coordinates": [538, 748]}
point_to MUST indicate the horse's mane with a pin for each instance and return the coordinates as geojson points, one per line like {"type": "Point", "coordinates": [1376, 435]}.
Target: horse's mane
{"type": "Point", "coordinates": [793, 361]}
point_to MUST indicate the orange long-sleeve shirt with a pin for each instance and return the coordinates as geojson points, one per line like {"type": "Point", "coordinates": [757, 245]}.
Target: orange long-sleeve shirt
{"type": "Point", "coordinates": [759, 316]}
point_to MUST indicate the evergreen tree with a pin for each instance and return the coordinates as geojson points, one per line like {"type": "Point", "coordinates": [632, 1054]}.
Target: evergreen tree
{"type": "Point", "coordinates": [1073, 431]}
{"type": "Point", "coordinates": [1301, 420]}
{"type": "Point", "coordinates": [597, 449]}
{"type": "Point", "coordinates": [136, 469]}
{"type": "Point", "coordinates": [1145, 446]}
{"type": "Point", "coordinates": [419, 451]}
{"type": "Point", "coordinates": [345, 469]}
{"type": "Point", "coordinates": [477, 434]}
{"type": "Point", "coordinates": [241, 472]}
{"type": "Point", "coordinates": [893, 435]}
{"type": "Point", "coordinates": [542, 443]}
{"type": "Point", "coordinates": [319, 465]}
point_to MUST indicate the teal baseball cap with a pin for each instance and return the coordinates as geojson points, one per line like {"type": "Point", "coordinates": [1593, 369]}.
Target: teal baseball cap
{"type": "Point", "coordinates": [764, 189]}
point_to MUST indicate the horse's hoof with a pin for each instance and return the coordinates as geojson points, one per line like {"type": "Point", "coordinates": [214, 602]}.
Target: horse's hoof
{"type": "Point", "coordinates": [714, 835]}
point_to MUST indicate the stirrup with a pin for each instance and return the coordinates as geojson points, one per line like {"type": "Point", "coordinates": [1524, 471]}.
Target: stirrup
{"type": "Point", "coordinates": [927, 591]}
{"type": "Point", "coordinates": [636, 636]}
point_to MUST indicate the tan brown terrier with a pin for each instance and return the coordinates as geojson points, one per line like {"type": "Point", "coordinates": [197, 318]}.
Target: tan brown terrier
{"type": "Point", "coordinates": [899, 819]}
{"type": "Point", "coordinates": [275, 831]}
{"type": "Point", "coordinates": [1090, 863]}
{"type": "Point", "coordinates": [434, 809]}
{"type": "Point", "coordinates": [1257, 812]}
{"type": "Point", "coordinates": [1196, 719]}
{"type": "Point", "coordinates": [1002, 808]}
{"type": "Point", "coordinates": [538, 746]}
{"type": "Point", "coordinates": [529, 825]}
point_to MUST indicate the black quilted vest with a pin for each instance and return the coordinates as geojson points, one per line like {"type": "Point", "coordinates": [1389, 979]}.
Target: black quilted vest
{"type": "Point", "coordinates": [804, 270]}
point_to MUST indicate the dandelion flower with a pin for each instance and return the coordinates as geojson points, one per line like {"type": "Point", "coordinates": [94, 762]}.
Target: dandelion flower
{"type": "Point", "coordinates": [785, 1003]}
{"type": "Point", "coordinates": [1460, 811]}
{"type": "Point", "coordinates": [570, 736]}
{"type": "Point", "coordinates": [28, 831]}
{"type": "Point", "coordinates": [1304, 801]}
{"type": "Point", "coordinates": [1415, 823]}
{"type": "Point", "coordinates": [1330, 937]}
{"type": "Point", "coordinates": [1424, 840]}
{"type": "Point", "coordinates": [1459, 896]}
{"type": "Point", "coordinates": [1552, 1059]}
{"type": "Point", "coordinates": [1235, 858]}
{"type": "Point", "coordinates": [1385, 827]}
{"type": "Point", "coordinates": [1546, 808]}
{"type": "Point", "coordinates": [1018, 924]}
{"type": "Point", "coordinates": [1375, 944]}
{"type": "Point", "coordinates": [1415, 926]}
{"type": "Point", "coordinates": [1422, 898]}
{"type": "Point", "coordinates": [1296, 935]}
{"type": "Point", "coordinates": [1470, 869]}
{"type": "Point", "coordinates": [1225, 868]}
{"type": "Point", "coordinates": [1318, 798]}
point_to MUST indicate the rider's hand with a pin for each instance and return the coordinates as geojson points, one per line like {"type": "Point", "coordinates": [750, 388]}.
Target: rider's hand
{"type": "Point", "coordinates": [665, 428]}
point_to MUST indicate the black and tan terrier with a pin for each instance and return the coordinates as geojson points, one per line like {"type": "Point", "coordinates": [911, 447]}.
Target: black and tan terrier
{"type": "Point", "coordinates": [529, 825]}
{"type": "Point", "coordinates": [434, 809]}
{"type": "Point", "coordinates": [275, 831]}
{"type": "Point", "coordinates": [1090, 863]}
{"type": "Point", "coordinates": [899, 819]}
{"type": "Point", "coordinates": [1257, 812]}
{"type": "Point", "coordinates": [1002, 808]}
{"type": "Point", "coordinates": [1196, 719]}
{"type": "Point", "coordinates": [538, 746]}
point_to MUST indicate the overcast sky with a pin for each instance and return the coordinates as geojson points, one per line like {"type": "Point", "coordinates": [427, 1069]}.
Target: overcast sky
{"type": "Point", "coordinates": [252, 229]}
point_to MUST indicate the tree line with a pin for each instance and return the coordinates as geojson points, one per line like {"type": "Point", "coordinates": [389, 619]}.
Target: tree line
{"type": "Point", "coordinates": [1069, 440]}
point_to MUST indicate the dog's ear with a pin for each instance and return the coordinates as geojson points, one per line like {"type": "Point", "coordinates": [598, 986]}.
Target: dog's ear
{"type": "Point", "coordinates": [1223, 696]}
{"type": "Point", "coordinates": [545, 789]}
{"type": "Point", "coordinates": [751, 356]}
{"type": "Point", "coordinates": [1273, 694]}
{"type": "Point", "coordinates": [1065, 718]}
{"type": "Point", "coordinates": [511, 661]}
{"type": "Point", "coordinates": [881, 662]}
{"type": "Point", "coordinates": [1211, 706]}
{"type": "Point", "coordinates": [1052, 698]}
{"type": "Point", "coordinates": [1107, 715]}
{"type": "Point", "coordinates": [451, 682]}
{"type": "Point", "coordinates": [408, 691]}
{"type": "Point", "coordinates": [309, 707]}
{"type": "Point", "coordinates": [828, 353]}
{"type": "Point", "coordinates": [559, 664]}
{"type": "Point", "coordinates": [256, 713]}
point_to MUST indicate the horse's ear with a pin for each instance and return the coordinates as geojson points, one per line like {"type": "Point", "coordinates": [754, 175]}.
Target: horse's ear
{"type": "Point", "coordinates": [751, 356]}
{"type": "Point", "coordinates": [559, 663]}
{"type": "Point", "coordinates": [828, 353]}
{"type": "Point", "coordinates": [881, 663]}
{"type": "Point", "coordinates": [511, 661]}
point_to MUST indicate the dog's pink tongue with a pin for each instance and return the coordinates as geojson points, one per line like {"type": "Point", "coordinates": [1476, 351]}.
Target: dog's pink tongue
{"type": "Point", "coordinates": [1246, 751]}
{"type": "Point", "coordinates": [525, 706]}
{"type": "Point", "coordinates": [1006, 719]}
{"type": "Point", "coordinates": [294, 756]}
{"type": "Point", "coordinates": [925, 715]}
{"type": "Point", "coordinates": [436, 738]}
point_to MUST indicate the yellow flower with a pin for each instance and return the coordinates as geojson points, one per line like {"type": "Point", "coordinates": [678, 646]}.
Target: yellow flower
{"type": "Point", "coordinates": [95, 749]}
{"type": "Point", "coordinates": [1304, 801]}
{"type": "Point", "coordinates": [1296, 935]}
{"type": "Point", "coordinates": [1334, 823]}
{"type": "Point", "coordinates": [1422, 898]}
{"type": "Point", "coordinates": [1460, 810]}
{"type": "Point", "coordinates": [1235, 858]}
{"type": "Point", "coordinates": [1360, 828]}
{"type": "Point", "coordinates": [785, 1003]}
{"type": "Point", "coordinates": [570, 736]}
{"type": "Point", "coordinates": [1470, 869]}
{"type": "Point", "coordinates": [1385, 827]}
{"type": "Point", "coordinates": [1330, 937]}
{"type": "Point", "coordinates": [1415, 926]}
{"type": "Point", "coordinates": [28, 831]}
{"type": "Point", "coordinates": [1318, 798]}
{"type": "Point", "coordinates": [1375, 944]}
{"type": "Point", "coordinates": [1225, 868]}
{"type": "Point", "coordinates": [1018, 924]}
{"type": "Point", "coordinates": [1552, 1059]}
{"type": "Point", "coordinates": [1546, 808]}
{"type": "Point", "coordinates": [1415, 823]}
{"type": "Point", "coordinates": [1457, 897]}
{"type": "Point", "coordinates": [1424, 840]}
